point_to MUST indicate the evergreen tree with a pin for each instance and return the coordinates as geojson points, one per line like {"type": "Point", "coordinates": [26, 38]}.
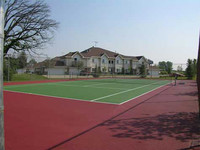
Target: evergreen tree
{"type": "Point", "coordinates": [169, 67]}
{"type": "Point", "coordinates": [194, 66]}
{"type": "Point", "coordinates": [10, 65]}
{"type": "Point", "coordinates": [123, 71]}
{"type": "Point", "coordinates": [166, 66]}
{"type": "Point", "coordinates": [143, 71]}
{"type": "Point", "coordinates": [190, 69]}
{"type": "Point", "coordinates": [162, 65]}
{"type": "Point", "coordinates": [99, 70]}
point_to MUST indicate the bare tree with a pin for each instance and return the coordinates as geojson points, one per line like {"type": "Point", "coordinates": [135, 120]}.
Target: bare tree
{"type": "Point", "coordinates": [27, 25]}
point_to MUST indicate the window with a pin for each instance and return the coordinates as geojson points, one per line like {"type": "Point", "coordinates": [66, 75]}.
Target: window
{"type": "Point", "coordinates": [75, 59]}
{"type": "Point", "coordinates": [126, 62]}
{"type": "Point", "coordinates": [103, 61]}
{"type": "Point", "coordinates": [117, 61]}
{"type": "Point", "coordinates": [109, 62]}
{"type": "Point", "coordinates": [93, 60]}
{"type": "Point", "coordinates": [112, 61]}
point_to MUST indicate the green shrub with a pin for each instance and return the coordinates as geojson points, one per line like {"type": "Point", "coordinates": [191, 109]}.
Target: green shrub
{"type": "Point", "coordinates": [163, 72]}
{"type": "Point", "coordinates": [95, 75]}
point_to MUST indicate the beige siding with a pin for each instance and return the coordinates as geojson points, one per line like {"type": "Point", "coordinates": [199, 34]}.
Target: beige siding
{"type": "Point", "coordinates": [134, 64]}
{"type": "Point", "coordinates": [126, 64]}
{"type": "Point", "coordinates": [118, 64]}
{"type": "Point", "coordinates": [94, 62]}
{"type": "Point", "coordinates": [104, 63]}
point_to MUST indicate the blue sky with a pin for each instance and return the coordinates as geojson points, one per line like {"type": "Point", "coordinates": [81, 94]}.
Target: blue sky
{"type": "Point", "coordinates": [160, 30]}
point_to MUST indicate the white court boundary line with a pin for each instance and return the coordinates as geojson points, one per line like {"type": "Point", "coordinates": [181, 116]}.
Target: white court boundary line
{"type": "Point", "coordinates": [124, 91]}
{"type": "Point", "coordinates": [65, 98]}
{"type": "Point", "coordinates": [143, 94]}
{"type": "Point", "coordinates": [91, 101]}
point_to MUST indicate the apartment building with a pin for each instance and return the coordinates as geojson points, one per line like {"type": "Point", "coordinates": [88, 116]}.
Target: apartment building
{"type": "Point", "coordinates": [96, 58]}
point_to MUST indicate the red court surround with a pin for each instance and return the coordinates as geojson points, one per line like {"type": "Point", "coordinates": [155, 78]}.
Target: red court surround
{"type": "Point", "coordinates": [162, 119]}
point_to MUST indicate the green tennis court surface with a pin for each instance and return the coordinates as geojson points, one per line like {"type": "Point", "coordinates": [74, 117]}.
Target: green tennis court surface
{"type": "Point", "coordinates": [115, 91]}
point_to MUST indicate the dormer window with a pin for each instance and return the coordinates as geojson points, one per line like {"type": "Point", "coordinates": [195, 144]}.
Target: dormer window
{"type": "Point", "coordinates": [103, 61]}
{"type": "Point", "coordinates": [75, 59]}
{"type": "Point", "coordinates": [117, 61]}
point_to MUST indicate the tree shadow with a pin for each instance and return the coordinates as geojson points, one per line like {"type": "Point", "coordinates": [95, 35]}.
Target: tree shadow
{"type": "Point", "coordinates": [172, 101]}
{"type": "Point", "coordinates": [193, 93]}
{"type": "Point", "coordinates": [181, 126]}
{"type": "Point", "coordinates": [193, 85]}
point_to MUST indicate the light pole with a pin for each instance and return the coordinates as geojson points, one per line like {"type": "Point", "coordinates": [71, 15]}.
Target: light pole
{"type": "Point", "coordinates": [2, 139]}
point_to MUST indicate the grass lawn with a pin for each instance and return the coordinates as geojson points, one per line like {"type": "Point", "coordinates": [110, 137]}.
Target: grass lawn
{"type": "Point", "coordinates": [27, 77]}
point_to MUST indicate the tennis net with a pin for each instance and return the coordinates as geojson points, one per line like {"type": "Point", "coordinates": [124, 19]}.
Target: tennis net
{"type": "Point", "coordinates": [124, 80]}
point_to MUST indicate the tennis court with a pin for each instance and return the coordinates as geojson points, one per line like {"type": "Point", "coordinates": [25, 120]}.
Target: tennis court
{"type": "Point", "coordinates": [111, 91]}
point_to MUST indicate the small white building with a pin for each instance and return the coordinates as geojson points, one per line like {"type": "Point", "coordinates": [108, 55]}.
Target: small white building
{"type": "Point", "coordinates": [154, 71]}
{"type": "Point", "coordinates": [25, 70]}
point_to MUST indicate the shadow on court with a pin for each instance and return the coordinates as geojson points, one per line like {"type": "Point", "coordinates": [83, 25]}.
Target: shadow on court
{"type": "Point", "coordinates": [180, 126]}
{"type": "Point", "coordinates": [193, 93]}
{"type": "Point", "coordinates": [162, 119]}
{"type": "Point", "coordinates": [166, 120]}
